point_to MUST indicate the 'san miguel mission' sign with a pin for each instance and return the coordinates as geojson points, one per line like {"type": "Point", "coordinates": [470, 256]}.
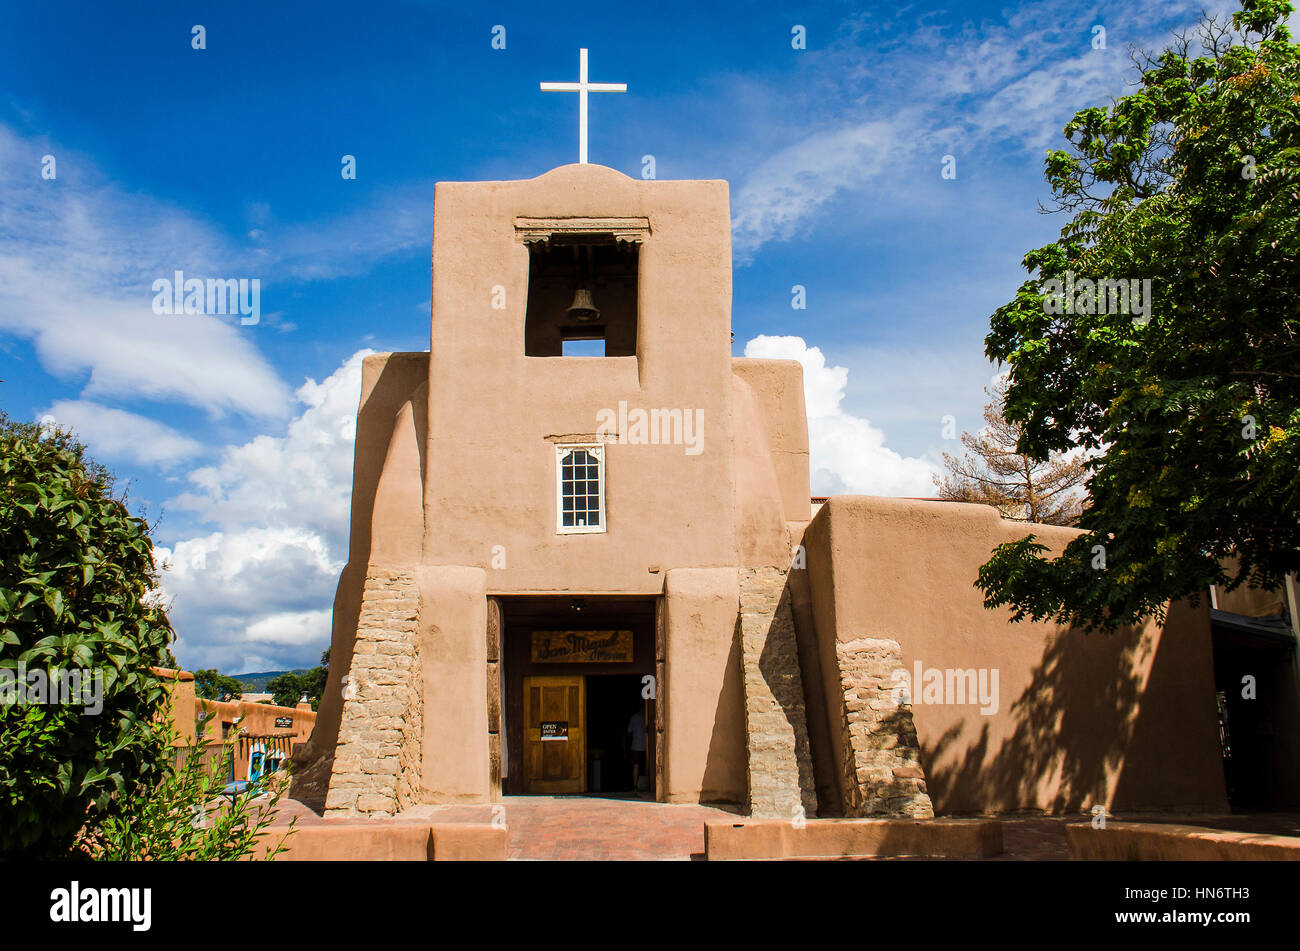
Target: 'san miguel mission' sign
{"type": "Point", "coordinates": [582, 647]}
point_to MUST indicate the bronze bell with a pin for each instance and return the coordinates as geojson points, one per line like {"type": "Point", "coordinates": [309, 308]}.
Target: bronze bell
{"type": "Point", "coordinates": [583, 307]}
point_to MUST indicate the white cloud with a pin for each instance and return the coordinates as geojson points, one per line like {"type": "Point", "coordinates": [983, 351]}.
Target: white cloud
{"type": "Point", "coordinates": [254, 593]}
{"type": "Point", "coordinates": [118, 435]}
{"type": "Point", "coordinates": [782, 193]}
{"type": "Point", "coordinates": [848, 454]}
{"type": "Point", "coordinates": [78, 257]}
{"type": "Point", "coordinates": [968, 89]}
{"type": "Point", "coordinates": [303, 478]}
{"type": "Point", "coordinates": [294, 628]}
{"type": "Point", "coordinates": [249, 600]}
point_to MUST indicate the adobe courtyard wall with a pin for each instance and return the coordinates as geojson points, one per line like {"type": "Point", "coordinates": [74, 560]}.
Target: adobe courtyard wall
{"type": "Point", "coordinates": [1126, 721]}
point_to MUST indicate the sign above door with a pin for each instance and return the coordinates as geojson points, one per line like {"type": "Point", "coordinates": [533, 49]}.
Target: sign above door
{"type": "Point", "coordinates": [582, 647]}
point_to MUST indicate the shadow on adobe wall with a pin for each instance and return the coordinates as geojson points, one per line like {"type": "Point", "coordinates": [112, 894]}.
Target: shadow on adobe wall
{"type": "Point", "coordinates": [725, 767]}
{"type": "Point", "coordinates": [775, 670]}
{"type": "Point", "coordinates": [1086, 725]}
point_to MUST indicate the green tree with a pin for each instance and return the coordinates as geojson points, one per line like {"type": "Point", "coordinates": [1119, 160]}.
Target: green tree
{"type": "Point", "coordinates": [211, 684]}
{"type": "Point", "coordinates": [285, 689]}
{"type": "Point", "coordinates": [314, 679]}
{"type": "Point", "coordinates": [1189, 401]}
{"type": "Point", "coordinates": [288, 688]}
{"type": "Point", "coordinates": [77, 582]}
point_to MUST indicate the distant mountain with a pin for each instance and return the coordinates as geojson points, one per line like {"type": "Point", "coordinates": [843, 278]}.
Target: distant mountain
{"type": "Point", "coordinates": [256, 683]}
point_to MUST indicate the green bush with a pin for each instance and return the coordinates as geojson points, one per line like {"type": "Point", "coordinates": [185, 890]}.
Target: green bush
{"type": "Point", "coordinates": [76, 579]}
{"type": "Point", "coordinates": [186, 816]}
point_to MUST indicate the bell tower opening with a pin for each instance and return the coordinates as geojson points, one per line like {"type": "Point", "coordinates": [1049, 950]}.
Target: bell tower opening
{"type": "Point", "coordinates": [582, 297]}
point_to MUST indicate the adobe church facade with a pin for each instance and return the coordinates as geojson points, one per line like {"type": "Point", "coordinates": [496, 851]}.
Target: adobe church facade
{"type": "Point", "coordinates": [544, 544]}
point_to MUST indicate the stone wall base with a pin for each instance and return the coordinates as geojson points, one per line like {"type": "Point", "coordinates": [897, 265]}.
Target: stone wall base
{"type": "Point", "coordinates": [781, 781]}
{"type": "Point", "coordinates": [376, 767]}
{"type": "Point", "coordinates": [882, 772]}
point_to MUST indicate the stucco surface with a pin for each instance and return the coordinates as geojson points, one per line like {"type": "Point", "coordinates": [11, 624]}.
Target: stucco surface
{"type": "Point", "coordinates": [851, 838]}
{"type": "Point", "coordinates": [705, 717]}
{"type": "Point", "coordinates": [388, 383]}
{"type": "Point", "coordinates": [453, 656]}
{"type": "Point", "coordinates": [1125, 720]}
{"type": "Point", "coordinates": [777, 387]}
{"type": "Point", "coordinates": [1136, 841]}
{"type": "Point", "coordinates": [495, 414]}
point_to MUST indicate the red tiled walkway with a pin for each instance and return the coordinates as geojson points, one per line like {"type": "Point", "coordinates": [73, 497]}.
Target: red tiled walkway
{"type": "Point", "coordinates": [586, 828]}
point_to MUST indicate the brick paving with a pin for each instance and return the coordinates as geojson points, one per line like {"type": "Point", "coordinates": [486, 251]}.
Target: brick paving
{"type": "Point", "coordinates": [589, 828]}
{"type": "Point", "coordinates": [584, 828]}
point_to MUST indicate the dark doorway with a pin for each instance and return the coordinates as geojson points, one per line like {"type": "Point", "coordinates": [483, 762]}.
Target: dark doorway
{"type": "Point", "coordinates": [1255, 677]}
{"type": "Point", "coordinates": [604, 644]}
{"type": "Point", "coordinates": [611, 702]}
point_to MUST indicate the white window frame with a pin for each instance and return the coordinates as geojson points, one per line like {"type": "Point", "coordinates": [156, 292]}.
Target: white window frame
{"type": "Point", "coordinates": [597, 450]}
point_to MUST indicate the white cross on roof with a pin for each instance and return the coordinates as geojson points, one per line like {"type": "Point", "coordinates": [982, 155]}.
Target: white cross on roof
{"type": "Point", "coordinates": [582, 87]}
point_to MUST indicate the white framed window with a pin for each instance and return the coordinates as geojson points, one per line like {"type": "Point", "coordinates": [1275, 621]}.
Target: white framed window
{"type": "Point", "coordinates": [579, 489]}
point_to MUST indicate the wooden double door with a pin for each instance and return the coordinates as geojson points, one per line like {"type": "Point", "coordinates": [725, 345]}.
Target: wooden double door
{"type": "Point", "coordinates": [555, 735]}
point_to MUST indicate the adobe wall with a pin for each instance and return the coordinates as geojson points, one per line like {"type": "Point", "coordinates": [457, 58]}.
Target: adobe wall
{"type": "Point", "coordinates": [1247, 600]}
{"type": "Point", "coordinates": [1126, 720]}
{"type": "Point", "coordinates": [258, 719]}
{"type": "Point", "coordinates": [181, 702]}
{"type": "Point", "coordinates": [389, 436]}
{"type": "Point", "coordinates": [703, 695]}
{"type": "Point", "coordinates": [453, 659]}
{"type": "Point", "coordinates": [762, 537]}
{"type": "Point", "coordinates": [777, 388]}
{"type": "Point", "coordinates": [488, 401]}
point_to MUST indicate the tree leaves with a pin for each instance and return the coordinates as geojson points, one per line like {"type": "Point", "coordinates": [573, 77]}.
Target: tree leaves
{"type": "Point", "coordinates": [76, 571]}
{"type": "Point", "coordinates": [1193, 415]}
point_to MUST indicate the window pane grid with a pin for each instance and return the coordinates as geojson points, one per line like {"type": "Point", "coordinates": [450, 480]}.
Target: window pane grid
{"type": "Point", "coordinates": [580, 494]}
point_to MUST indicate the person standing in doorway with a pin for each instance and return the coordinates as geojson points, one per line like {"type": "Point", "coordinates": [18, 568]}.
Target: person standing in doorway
{"type": "Point", "coordinates": [636, 733]}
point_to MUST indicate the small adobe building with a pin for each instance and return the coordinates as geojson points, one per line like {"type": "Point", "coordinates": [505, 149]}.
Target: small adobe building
{"type": "Point", "coordinates": [578, 506]}
{"type": "Point", "coordinates": [249, 730]}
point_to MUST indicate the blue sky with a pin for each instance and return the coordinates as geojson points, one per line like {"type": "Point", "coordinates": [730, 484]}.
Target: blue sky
{"type": "Point", "coordinates": [226, 162]}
